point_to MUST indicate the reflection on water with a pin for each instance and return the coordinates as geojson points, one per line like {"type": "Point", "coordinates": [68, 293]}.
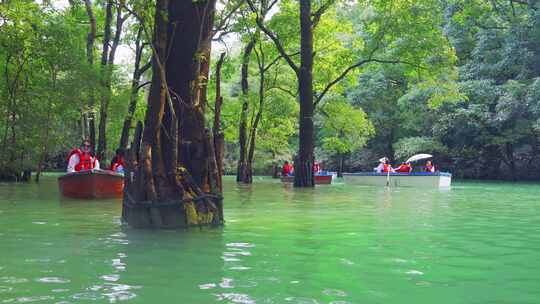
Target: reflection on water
{"type": "Point", "coordinates": [477, 242]}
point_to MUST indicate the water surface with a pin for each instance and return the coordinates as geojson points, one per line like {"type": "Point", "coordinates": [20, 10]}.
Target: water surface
{"type": "Point", "coordinates": [476, 243]}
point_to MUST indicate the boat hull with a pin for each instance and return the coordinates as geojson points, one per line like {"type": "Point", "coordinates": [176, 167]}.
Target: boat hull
{"type": "Point", "coordinates": [92, 184]}
{"type": "Point", "coordinates": [319, 179]}
{"type": "Point", "coordinates": [425, 180]}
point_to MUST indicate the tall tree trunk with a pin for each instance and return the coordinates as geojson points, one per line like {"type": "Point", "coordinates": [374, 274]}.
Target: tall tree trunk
{"type": "Point", "coordinates": [255, 124]}
{"type": "Point", "coordinates": [171, 180]}
{"type": "Point", "coordinates": [341, 164]}
{"type": "Point", "coordinates": [47, 127]}
{"type": "Point", "coordinates": [242, 174]}
{"type": "Point", "coordinates": [135, 82]}
{"type": "Point", "coordinates": [105, 83]}
{"type": "Point", "coordinates": [219, 139]}
{"type": "Point", "coordinates": [303, 165]}
{"type": "Point", "coordinates": [88, 115]}
{"type": "Point", "coordinates": [107, 62]}
{"type": "Point", "coordinates": [511, 160]}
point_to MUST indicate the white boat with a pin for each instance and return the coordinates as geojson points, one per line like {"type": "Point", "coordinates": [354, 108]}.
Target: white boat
{"type": "Point", "coordinates": [415, 179]}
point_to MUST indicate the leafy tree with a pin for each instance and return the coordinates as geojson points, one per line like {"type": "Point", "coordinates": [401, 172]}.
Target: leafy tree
{"type": "Point", "coordinates": [344, 129]}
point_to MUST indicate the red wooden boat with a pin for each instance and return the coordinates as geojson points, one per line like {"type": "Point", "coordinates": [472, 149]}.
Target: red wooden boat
{"type": "Point", "coordinates": [92, 184]}
{"type": "Point", "coordinates": [319, 179]}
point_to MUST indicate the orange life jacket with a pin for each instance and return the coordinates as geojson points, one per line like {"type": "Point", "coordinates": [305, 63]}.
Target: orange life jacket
{"type": "Point", "coordinates": [387, 168]}
{"type": "Point", "coordinates": [86, 161]}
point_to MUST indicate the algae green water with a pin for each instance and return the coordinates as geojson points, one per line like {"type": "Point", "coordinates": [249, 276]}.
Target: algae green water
{"type": "Point", "coordinates": [476, 243]}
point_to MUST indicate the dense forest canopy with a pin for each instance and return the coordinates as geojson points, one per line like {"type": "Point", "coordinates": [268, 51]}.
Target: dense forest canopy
{"type": "Point", "coordinates": [457, 79]}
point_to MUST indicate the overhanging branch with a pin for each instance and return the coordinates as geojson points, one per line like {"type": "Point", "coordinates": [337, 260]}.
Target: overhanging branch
{"type": "Point", "coordinates": [273, 37]}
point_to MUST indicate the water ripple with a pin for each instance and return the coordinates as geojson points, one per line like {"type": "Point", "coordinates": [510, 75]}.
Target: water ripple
{"type": "Point", "coordinates": [55, 280]}
{"type": "Point", "coordinates": [13, 280]}
{"type": "Point", "coordinates": [236, 298]}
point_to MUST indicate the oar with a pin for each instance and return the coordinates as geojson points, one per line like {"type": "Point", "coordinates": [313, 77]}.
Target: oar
{"type": "Point", "coordinates": [388, 178]}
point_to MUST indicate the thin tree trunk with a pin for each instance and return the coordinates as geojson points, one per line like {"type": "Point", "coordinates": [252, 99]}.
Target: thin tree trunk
{"type": "Point", "coordinates": [219, 140]}
{"type": "Point", "coordinates": [137, 73]}
{"type": "Point", "coordinates": [107, 61]}
{"type": "Point", "coordinates": [303, 165]}
{"type": "Point", "coordinates": [242, 174]}
{"type": "Point", "coordinates": [255, 124]}
{"type": "Point", "coordinates": [47, 127]}
{"type": "Point", "coordinates": [89, 115]}
{"type": "Point", "coordinates": [341, 164]}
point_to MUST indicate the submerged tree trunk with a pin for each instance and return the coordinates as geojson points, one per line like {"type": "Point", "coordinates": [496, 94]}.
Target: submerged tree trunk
{"type": "Point", "coordinates": [303, 165]}
{"type": "Point", "coordinates": [219, 138]}
{"type": "Point", "coordinates": [171, 178]}
{"type": "Point", "coordinates": [341, 164]}
{"type": "Point", "coordinates": [243, 175]}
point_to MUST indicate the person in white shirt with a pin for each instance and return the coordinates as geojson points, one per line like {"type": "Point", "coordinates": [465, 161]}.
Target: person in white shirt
{"type": "Point", "coordinates": [82, 159]}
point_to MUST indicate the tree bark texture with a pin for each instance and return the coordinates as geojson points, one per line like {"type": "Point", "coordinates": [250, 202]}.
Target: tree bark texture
{"type": "Point", "coordinates": [243, 174]}
{"type": "Point", "coordinates": [171, 178]}
{"type": "Point", "coordinates": [303, 165]}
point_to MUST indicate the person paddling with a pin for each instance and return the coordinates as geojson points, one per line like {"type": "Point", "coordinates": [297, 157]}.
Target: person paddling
{"type": "Point", "coordinates": [81, 159]}
{"type": "Point", "coordinates": [387, 167]}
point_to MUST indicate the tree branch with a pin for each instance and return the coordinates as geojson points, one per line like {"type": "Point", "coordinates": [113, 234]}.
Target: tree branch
{"type": "Point", "coordinates": [273, 37]}
{"type": "Point", "coordinates": [317, 15]}
{"type": "Point", "coordinates": [352, 67]}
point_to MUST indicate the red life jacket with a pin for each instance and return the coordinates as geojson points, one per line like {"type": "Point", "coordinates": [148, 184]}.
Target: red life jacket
{"type": "Point", "coordinates": [403, 169]}
{"type": "Point", "coordinates": [117, 162]}
{"type": "Point", "coordinates": [316, 167]}
{"type": "Point", "coordinates": [86, 161]}
{"type": "Point", "coordinates": [287, 169]}
{"type": "Point", "coordinates": [387, 168]}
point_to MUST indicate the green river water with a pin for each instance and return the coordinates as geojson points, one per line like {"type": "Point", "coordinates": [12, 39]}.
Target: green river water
{"type": "Point", "coordinates": [475, 243]}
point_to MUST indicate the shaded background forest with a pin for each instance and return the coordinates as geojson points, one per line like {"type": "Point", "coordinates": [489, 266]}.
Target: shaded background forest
{"type": "Point", "coordinates": [458, 79]}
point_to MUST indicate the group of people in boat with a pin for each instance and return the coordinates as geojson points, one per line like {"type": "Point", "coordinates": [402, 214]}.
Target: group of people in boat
{"type": "Point", "coordinates": [288, 169]}
{"type": "Point", "coordinates": [405, 167]}
{"type": "Point", "coordinates": [83, 159]}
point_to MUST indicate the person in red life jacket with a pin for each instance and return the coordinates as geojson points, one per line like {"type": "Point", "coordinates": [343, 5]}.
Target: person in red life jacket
{"type": "Point", "coordinates": [429, 167]}
{"type": "Point", "coordinates": [316, 167]}
{"type": "Point", "coordinates": [287, 170]}
{"type": "Point", "coordinates": [387, 167]}
{"type": "Point", "coordinates": [117, 163]}
{"type": "Point", "coordinates": [404, 168]}
{"type": "Point", "coordinates": [81, 159]}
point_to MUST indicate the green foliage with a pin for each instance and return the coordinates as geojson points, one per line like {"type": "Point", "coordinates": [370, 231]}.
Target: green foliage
{"type": "Point", "coordinates": [344, 128]}
{"type": "Point", "coordinates": [409, 146]}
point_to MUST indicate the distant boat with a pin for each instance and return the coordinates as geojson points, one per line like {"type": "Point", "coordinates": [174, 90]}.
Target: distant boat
{"type": "Point", "coordinates": [415, 179]}
{"type": "Point", "coordinates": [319, 179]}
{"type": "Point", "coordinates": [92, 184]}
